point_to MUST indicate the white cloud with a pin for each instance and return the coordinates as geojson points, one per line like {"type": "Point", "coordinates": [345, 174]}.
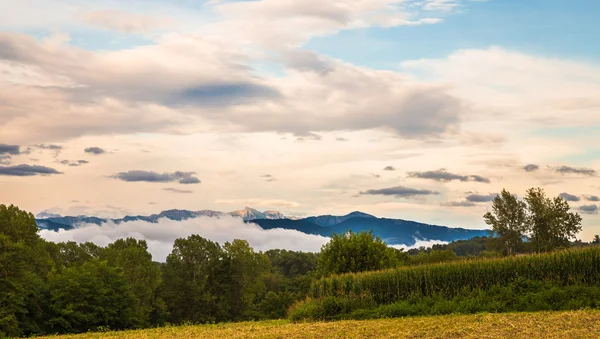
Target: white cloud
{"type": "Point", "coordinates": [514, 87]}
{"type": "Point", "coordinates": [420, 243]}
{"type": "Point", "coordinates": [161, 235]}
{"type": "Point", "coordinates": [123, 21]}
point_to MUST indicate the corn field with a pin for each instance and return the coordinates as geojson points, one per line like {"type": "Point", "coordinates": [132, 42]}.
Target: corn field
{"type": "Point", "coordinates": [570, 267]}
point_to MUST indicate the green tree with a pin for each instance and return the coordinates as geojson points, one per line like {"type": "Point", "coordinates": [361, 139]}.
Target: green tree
{"type": "Point", "coordinates": [196, 280]}
{"type": "Point", "coordinates": [596, 240]}
{"type": "Point", "coordinates": [355, 252]}
{"type": "Point", "coordinates": [142, 274]}
{"type": "Point", "coordinates": [85, 297]}
{"type": "Point", "coordinates": [69, 254]}
{"type": "Point", "coordinates": [508, 220]}
{"type": "Point", "coordinates": [248, 270]}
{"type": "Point", "coordinates": [549, 222]}
{"type": "Point", "coordinates": [24, 263]}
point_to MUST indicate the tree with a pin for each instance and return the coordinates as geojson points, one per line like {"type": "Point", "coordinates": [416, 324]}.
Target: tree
{"type": "Point", "coordinates": [596, 240]}
{"type": "Point", "coordinates": [508, 220]}
{"type": "Point", "coordinates": [142, 274]}
{"type": "Point", "coordinates": [18, 225]}
{"type": "Point", "coordinates": [89, 296]}
{"type": "Point", "coordinates": [24, 263]}
{"type": "Point", "coordinates": [69, 254]}
{"type": "Point", "coordinates": [195, 277]}
{"type": "Point", "coordinates": [248, 270]}
{"type": "Point", "coordinates": [355, 252]}
{"type": "Point", "coordinates": [549, 222]}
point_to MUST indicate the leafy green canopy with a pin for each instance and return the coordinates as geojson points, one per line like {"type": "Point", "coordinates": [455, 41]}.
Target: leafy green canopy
{"type": "Point", "coordinates": [355, 252]}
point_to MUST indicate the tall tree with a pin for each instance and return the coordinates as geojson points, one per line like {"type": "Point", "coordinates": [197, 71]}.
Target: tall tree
{"type": "Point", "coordinates": [142, 274]}
{"type": "Point", "coordinates": [549, 221]}
{"type": "Point", "coordinates": [508, 220]}
{"type": "Point", "coordinates": [248, 270]}
{"type": "Point", "coordinates": [195, 275]}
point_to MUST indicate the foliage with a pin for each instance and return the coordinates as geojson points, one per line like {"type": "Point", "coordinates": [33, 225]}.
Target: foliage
{"type": "Point", "coordinates": [549, 221]}
{"type": "Point", "coordinates": [520, 295]}
{"type": "Point", "coordinates": [355, 252]}
{"type": "Point", "coordinates": [142, 274]}
{"type": "Point", "coordinates": [508, 220]}
{"type": "Point", "coordinates": [193, 277]}
{"type": "Point", "coordinates": [86, 297]}
{"type": "Point", "coordinates": [577, 266]}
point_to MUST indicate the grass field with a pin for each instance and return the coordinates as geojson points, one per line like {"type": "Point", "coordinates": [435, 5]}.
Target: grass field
{"type": "Point", "coordinates": [576, 324]}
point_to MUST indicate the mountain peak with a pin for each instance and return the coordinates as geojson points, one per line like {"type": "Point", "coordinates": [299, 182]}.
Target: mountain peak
{"type": "Point", "coordinates": [249, 213]}
{"type": "Point", "coordinates": [359, 214]}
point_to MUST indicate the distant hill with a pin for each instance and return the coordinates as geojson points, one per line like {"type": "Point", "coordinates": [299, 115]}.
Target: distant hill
{"type": "Point", "coordinates": [331, 220]}
{"type": "Point", "coordinates": [393, 231]}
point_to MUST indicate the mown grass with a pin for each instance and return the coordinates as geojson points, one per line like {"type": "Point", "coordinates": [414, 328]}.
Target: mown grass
{"type": "Point", "coordinates": [573, 324]}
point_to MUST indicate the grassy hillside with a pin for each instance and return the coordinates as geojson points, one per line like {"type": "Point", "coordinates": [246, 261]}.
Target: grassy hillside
{"type": "Point", "coordinates": [577, 324]}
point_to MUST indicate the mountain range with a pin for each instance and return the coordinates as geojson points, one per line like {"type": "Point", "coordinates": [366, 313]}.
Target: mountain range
{"type": "Point", "coordinates": [393, 231]}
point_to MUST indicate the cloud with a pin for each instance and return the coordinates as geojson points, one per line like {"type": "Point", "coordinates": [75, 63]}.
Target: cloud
{"type": "Point", "coordinates": [459, 204]}
{"type": "Point", "coordinates": [5, 159]}
{"type": "Point", "coordinates": [213, 86]}
{"type": "Point", "coordinates": [123, 21]}
{"type": "Point", "coordinates": [83, 162]}
{"type": "Point", "coordinates": [592, 198]}
{"type": "Point", "coordinates": [573, 170]}
{"type": "Point", "coordinates": [49, 147]}
{"type": "Point", "coordinates": [440, 5]}
{"type": "Point", "coordinates": [444, 176]}
{"type": "Point", "coordinates": [588, 209]}
{"type": "Point", "coordinates": [569, 197]}
{"type": "Point", "coordinates": [477, 198]}
{"type": "Point", "coordinates": [95, 150]}
{"type": "Point", "coordinates": [557, 93]}
{"type": "Point", "coordinates": [149, 176]}
{"type": "Point", "coordinates": [389, 168]}
{"type": "Point", "coordinates": [478, 178]}
{"type": "Point", "coordinates": [268, 177]}
{"type": "Point", "coordinates": [259, 202]}
{"type": "Point", "coordinates": [420, 243]}
{"type": "Point", "coordinates": [308, 136]}
{"type": "Point", "coordinates": [27, 170]}
{"type": "Point", "coordinates": [10, 149]}
{"type": "Point", "coordinates": [160, 236]}
{"type": "Point", "coordinates": [177, 190]}
{"type": "Point", "coordinates": [531, 168]}
{"type": "Point", "coordinates": [399, 192]}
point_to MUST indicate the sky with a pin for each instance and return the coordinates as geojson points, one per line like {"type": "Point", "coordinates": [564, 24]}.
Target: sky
{"type": "Point", "coordinates": [414, 109]}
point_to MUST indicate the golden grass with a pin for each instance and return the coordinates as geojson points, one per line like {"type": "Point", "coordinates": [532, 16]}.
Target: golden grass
{"type": "Point", "coordinates": [576, 324]}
